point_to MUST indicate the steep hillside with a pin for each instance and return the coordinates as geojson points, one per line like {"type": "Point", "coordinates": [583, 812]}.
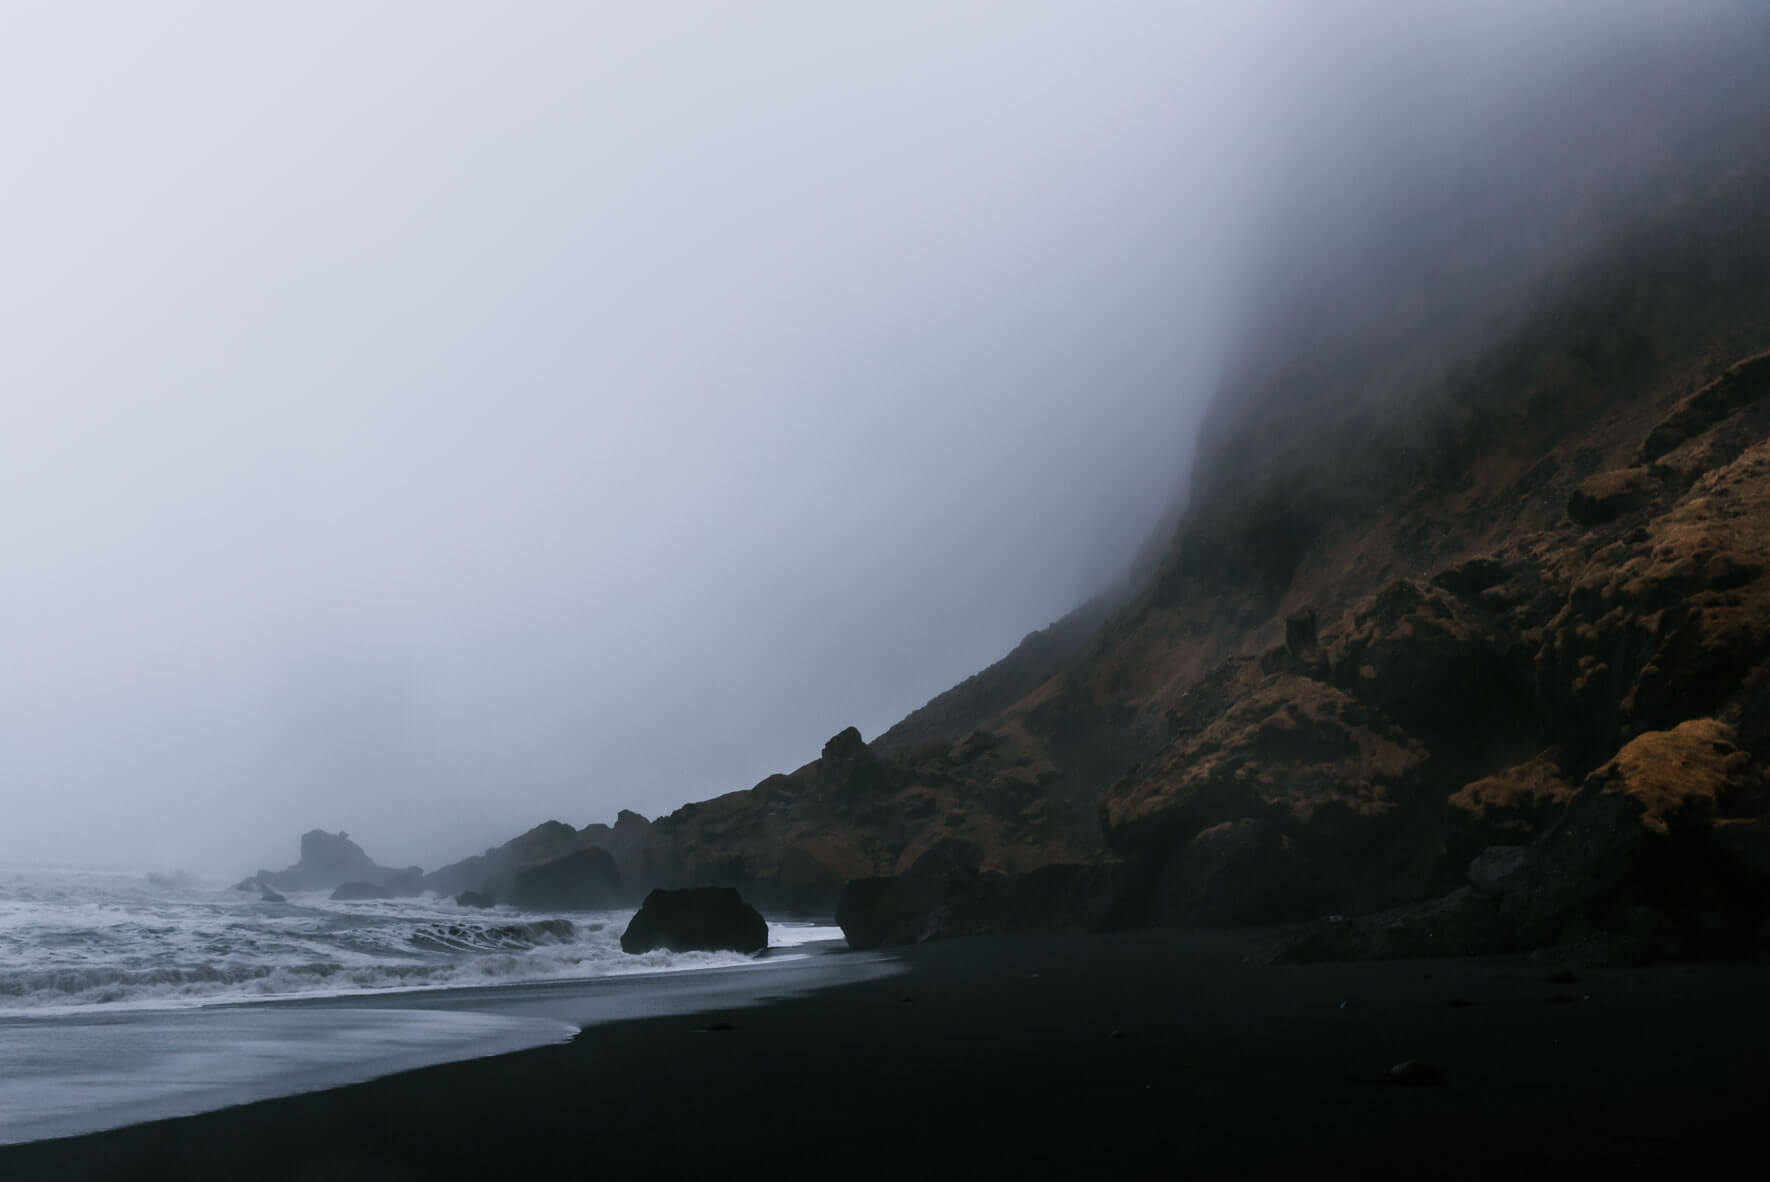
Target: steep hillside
{"type": "Point", "coordinates": [983, 696]}
{"type": "Point", "coordinates": [1427, 583]}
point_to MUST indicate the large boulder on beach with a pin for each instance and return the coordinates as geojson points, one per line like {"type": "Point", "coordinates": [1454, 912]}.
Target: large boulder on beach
{"type": "Point", "coordinates": [585, 880]}
{"type": "Point", "coordinates": [696, 919]}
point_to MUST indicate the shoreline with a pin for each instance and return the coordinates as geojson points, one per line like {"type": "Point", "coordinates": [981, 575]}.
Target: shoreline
{"type": "Point", "coordinates": [1030, 1051]}
{"type": "Point", "coordinates": [74, 1072]}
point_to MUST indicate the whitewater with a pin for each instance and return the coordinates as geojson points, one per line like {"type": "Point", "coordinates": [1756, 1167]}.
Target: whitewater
{"type": "Point", "coordinates": [130, 997]}
{"type": "Point", "coordinates": [78, 941]}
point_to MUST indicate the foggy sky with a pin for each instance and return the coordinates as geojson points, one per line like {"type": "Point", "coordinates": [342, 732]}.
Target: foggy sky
{"type": "Point", "coordinates": [430, 419]}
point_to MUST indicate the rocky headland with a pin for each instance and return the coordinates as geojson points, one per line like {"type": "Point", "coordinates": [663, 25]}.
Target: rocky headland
{"type": "Point", "coordinates": [1461, 644]}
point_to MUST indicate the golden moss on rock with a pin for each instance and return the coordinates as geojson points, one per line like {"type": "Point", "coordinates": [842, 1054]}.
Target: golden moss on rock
{"type": "Point", "coordinates": [1690, 773]}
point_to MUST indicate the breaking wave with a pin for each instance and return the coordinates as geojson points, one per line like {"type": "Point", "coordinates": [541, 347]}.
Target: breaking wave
{"type": "Point", "coordinates": [80, 939]}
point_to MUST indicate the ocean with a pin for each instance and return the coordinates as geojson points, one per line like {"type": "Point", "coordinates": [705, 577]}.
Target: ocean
{"type": "Point", "coordinates": [124, 996]}
{"type": "Point", "coordinates": [75, 941]}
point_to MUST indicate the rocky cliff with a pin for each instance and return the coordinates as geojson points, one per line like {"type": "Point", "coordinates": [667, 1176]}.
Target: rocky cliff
{"type": "Point", "coordinates": [1429, 586]}
{"type": "Point", "coordinates": [1463, 633]}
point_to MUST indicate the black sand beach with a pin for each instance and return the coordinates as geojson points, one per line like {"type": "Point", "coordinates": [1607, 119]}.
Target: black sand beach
{"type": "Point", "coordinates": [1106, 1054]}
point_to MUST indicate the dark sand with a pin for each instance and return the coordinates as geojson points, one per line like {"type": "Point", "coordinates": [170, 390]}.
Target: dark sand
{"type": "Point", "coordinates": [1127, 1054]}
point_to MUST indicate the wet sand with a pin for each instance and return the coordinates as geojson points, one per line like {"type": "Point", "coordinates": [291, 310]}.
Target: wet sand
{"type": "Point", "coordinates": [1034, 1054]}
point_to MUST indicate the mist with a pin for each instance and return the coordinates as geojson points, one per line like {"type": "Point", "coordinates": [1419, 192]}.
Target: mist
{"type": "Point", "coordinates": [431, 419]}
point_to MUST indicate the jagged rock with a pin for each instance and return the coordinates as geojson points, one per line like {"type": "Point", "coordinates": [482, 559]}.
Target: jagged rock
{"type": "Point", "coordinates": [495, 871]}
{"type": "Point", "coordinates": [584, 880]}
{"type": "Point", "coordinates": [1058, 898]}
{"type": "Point", "coordinates": [849, 765]}
{"type": "Point", "coordinates": [1509, 807]}
{"type": "Point", "coordinates": [1299, 633]}
{"type": "Point", "coordinates": [1493, 867]}
{"type": "Point", "coordinates": [1337, 778]}
{"type": "Point", "coordinates": [351, 892]}
{"type": "Point", "coordinates": [894, 909]}
{"type": "Point", "coordinates": [625, 841]}
{"type": "Point", "coordinates": [474, 899]}
{"type": "Point", "coordinates": [1609, 495]}
{"type": "Point", "coordinates": [1234, 873]}
{"type": "Point", "coordinates": [1471, 577]}
{"type": "Point", "coordinates": [943, 899]}
{"type": "Point", "coordinates": [1639, 839]}
{"type": "Point", "coordinates": [1665, 623]}
{"type": "Point", "coordinates": [696, 919]}
{"type": "Point", "coordinates": [1742, 383]}
{"type": "Point", "coordinates": [1435, 665]}
{"type": "Point", "coordinates": [328, 860]}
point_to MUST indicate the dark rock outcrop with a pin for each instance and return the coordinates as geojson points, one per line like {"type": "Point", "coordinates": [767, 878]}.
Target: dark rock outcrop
{"type": "Point", "coordinates": [848, 765]}
{"type": "Point", "coordinates": [1066, 897]}
{"type": "Point", "coordinates": [1743, 383]}
{"type": "Point", "coordinates": [496, 871]}
{"type": "Point", "coordinates": [896, 909]}
{"type": "Point", "coordinates": [696, 919]}
{"type": "Point", "coordinates": [1509, 807]}
{"type": "Point", "coordinates": [1490, 870]}
{"type": "Point", "coordinates": [584, 880]}
{"type": "Point", "coordinates": [944, 894]}
{"type": "Point", "coordinates": [1609, 495]}
{"type": "Point", "coordinates": [330, 859]}
{"type": "Point", "coordinates": [793, 840]}
{"type": "Point", "coordinates": [1634, 861]}
{"type": "Point", "coordinates": [1238, 872]}
{"type": "Point", "coordinates": [1335, 783]}
{"type": "Point", "coordinates": [475, 899]}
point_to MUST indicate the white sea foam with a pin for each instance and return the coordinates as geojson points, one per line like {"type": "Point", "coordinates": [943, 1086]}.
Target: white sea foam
{"type": "Point", "coordinates": [85, 940]}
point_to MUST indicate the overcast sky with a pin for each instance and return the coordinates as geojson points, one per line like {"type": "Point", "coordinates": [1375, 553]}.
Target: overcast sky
{"type": "Point", "coordinates": [429, 419]}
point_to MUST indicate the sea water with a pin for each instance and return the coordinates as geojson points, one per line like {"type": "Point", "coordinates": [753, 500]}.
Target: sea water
{"type": "Point", "coordinates": [78, 941]}
{"type": "Point", "coordinates": [121, 994]}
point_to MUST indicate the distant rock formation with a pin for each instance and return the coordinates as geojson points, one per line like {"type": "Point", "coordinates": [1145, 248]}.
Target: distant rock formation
{"type": "Point", "coordinates": [697, 919]}
{"type": "Point", "coordinates": [496, 871]}
{"type": "Point", "coordinates": [583, 880]}
{"type": "Point", "coordinates": [475, 899]}
{"type": "Point", "coordinates": [329, 860]}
